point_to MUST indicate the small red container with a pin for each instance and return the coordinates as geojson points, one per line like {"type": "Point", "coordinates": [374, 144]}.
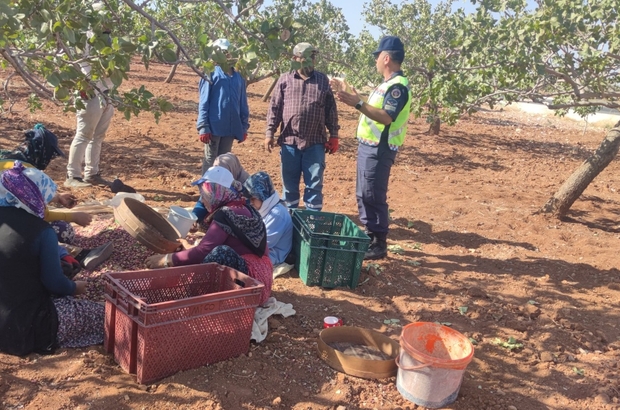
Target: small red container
{"type": "Point", "coordinates": [159, 322]}
{"type": "Point", "coordinates": [331, 321]}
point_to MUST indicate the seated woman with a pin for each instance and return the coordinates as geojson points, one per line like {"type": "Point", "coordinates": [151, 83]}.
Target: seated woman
{"type": "Point", "coordinates": [231, 163]}
{"type": "Point", "coordinates": [236, 237]}
{"type": "Point", "coordinates": [278, 222]}
{"type": "Point", "coordinates": [37, 310]}
{"type": "Point", "coordinates": [38, 149]}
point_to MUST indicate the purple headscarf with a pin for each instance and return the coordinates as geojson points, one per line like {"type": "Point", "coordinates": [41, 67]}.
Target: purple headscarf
{"type": "Point", "coordinates": [29, 189]}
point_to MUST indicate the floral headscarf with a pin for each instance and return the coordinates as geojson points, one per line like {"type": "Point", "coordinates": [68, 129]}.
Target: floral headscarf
{"type": "Point", "coordinates": [26, 188]}
{"type": "Point", "coordinates": [214, 195]}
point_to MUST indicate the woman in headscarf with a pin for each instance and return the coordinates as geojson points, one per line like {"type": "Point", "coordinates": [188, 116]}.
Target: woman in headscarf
{"type": "Point", "coordinates": [278, 222]}
{"type": "Point", "coordinates": [37, 310]}
{"type": "Point", "coordinates": [236, 237]}
{"type": "Point", "coordinates": [231, 163]}
{"type": "Point", "coordinates": [38, 150]}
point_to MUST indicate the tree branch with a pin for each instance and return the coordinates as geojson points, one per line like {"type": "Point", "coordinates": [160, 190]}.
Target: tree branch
{"type": "Point", "coordinates": [34, 84]}
{"type": "Point", "coordinates": [174, 38]}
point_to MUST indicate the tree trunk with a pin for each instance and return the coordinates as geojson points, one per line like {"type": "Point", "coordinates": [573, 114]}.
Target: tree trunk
{"type": "Point", "coordinates": [271, 87]}
{"type": "Point", "coordinates": [435, 119]}
{"type": "Point", "coordinates": [573, 187]}
{"type": "Point", "coordinates": [173, 70]}
{"type": "Point", "coordinates": [435, 126]}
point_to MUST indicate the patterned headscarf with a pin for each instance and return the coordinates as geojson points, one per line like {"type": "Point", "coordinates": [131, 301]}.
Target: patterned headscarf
{"type": "Point", "coordinates": [40, 147]}
{"type": "Point", "coordinates": [215, 196]}
{"type": "Point", "coordinates": [259, 186]}
{"type": "Point", "coordinates": [26, 188]}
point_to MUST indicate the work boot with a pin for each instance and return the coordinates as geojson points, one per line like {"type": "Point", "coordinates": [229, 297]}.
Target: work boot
{"type": "Point", "coordinates": [91, 258]}
{"type": "Point", "coordinates": [97, 179]}
{"type": "Point", "coordinates": [377, 249]}
{"type": "Point", "coordinates": [76, 182]}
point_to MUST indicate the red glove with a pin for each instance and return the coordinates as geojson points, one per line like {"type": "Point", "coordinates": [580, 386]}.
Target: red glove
{"type": "Point", "coordinates": [331, 146]}
{"type": "Point", "coordinates": [245, 137]}
{"type": "Point", "coordinates": [205, 138]}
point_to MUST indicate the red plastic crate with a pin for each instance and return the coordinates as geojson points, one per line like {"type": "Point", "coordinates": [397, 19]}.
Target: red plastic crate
{"type": "Point", "coordinates": [159, 322]}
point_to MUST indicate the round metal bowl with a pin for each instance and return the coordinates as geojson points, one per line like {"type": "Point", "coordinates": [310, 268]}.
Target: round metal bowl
{"type": "Point", "coordinates": [146, 225]}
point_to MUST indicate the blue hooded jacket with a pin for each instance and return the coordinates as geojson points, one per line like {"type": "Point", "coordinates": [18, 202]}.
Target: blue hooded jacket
{"type": "Point", "coordinates": [223, 108]}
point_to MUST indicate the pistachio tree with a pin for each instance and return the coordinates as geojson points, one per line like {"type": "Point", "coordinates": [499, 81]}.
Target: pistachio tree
{"type": "Point", "coordinates": [44, 42]}
{"type": "Point", "coordinates": [564, 54]}
{"type": "Point", "coordinates": [432, 60]}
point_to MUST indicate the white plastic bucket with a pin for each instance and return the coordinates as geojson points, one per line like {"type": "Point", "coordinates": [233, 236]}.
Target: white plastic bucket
{"type": "Point", "coordinates": [431, 364]}
{"type": "Point", "coordinates": [116, 200]}
{"type": "Point", "coordinates": [182, 219]}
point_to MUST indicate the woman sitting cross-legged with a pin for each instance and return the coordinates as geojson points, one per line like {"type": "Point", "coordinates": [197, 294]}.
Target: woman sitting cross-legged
{"type": "Point", "coordinates": [236, 236]}
{"type": "Point", "coordinates": [278, 222]}
{"type": "Point", "coordinates": [37, 310]}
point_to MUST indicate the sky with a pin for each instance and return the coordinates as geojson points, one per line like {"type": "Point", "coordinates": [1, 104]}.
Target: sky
{"type": "Point", "coordinates": [352, 10]}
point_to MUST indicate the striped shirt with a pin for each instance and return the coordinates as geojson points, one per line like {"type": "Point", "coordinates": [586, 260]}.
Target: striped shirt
{"type": "Point", "coordinates": [302, 109]}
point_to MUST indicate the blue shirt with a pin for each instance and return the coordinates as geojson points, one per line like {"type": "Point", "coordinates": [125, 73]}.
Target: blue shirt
{"type": "Point", "coordinates": [223, 108]}
{"type": "Point", "coordinates": [279, 233]}
{"type": "Point", "coordinates": [46, 247]}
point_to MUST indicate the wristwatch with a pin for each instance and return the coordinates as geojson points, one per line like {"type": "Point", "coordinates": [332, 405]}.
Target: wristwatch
{"type": "Point", "coordinates": [359, 105]}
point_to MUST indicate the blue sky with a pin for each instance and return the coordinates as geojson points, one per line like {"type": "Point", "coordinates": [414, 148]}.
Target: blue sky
{"type": "Point", "coordinates": [352, 10]}
{"type": "Point", "coordinates": [355, 20]}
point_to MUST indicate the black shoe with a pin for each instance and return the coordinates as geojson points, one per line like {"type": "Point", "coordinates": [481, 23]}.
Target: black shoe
{"type": "Point", "coordinates": [375, 252]}
{"type": "Point", "coordinates": [91, 258]}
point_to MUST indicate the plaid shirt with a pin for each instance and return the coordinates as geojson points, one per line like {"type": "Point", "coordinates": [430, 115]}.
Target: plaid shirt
{"type": "Point", "coordinates": [302, 109]}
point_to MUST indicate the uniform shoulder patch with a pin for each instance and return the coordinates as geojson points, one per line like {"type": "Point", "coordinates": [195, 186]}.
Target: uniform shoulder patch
{"type": "Point", "coordinates": [395, 93]}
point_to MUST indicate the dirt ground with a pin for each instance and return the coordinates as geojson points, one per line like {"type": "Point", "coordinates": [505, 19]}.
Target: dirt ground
{"type": "Point", "coordinates": [464, 233]}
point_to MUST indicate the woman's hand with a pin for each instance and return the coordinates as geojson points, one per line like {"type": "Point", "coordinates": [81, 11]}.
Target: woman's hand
{"type": "Point", "coordinates": [185, 243]}
{"type": "Point", "coordinates": [66, 200]}
{"type": "Point", "coordinates": [82, 218]}
{"type": "Point", "coordinates": [80, 287]}
{"type": "Point", "coordinates": [157, 261]}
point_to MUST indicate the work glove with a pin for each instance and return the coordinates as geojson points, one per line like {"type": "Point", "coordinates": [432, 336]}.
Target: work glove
{"type": "Point", "coordinates": [205, 138]}
{"type": "Point", "coordinates": [245, 137]}
{"type": "Point", "coordinates": [331, 146]}
{"type": "Point", "coordinates": [70, 266]}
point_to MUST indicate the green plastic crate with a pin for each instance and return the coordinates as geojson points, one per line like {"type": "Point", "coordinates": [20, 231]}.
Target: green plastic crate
{"type": "Point", "coordinates": [329, 249]}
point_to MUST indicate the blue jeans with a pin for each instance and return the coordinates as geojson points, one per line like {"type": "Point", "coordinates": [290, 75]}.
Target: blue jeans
{"type": "Point", "coordinates": [311, 164]}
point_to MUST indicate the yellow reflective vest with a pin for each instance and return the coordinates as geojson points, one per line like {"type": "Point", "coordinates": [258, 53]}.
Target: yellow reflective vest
{"type": "Point", "coordinates": [369, 131]}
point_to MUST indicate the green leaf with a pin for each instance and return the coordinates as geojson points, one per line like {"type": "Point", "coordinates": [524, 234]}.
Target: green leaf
{"type": "Point", "coordinates": [410, 224]}
{"type": "Point", "coordinates": [533, 302]}
{"type": "Point", "coordinates": [61, 93]}
{"type": "Point", "coordinates": [463, 310]}
{"type": "Point", "coordinates": [53, 79]}
{"type": "Point", "coordinates": [116, 77]}
{"type": "Point", "coordinates": [203, 39]}
{"type": "Point", "coordinates": [473, 341]}
{"type": "Point", "coordinates": [169, 55]}
{"type": "Point", "coordinates": [397, 249]}
{"type": "Point", "coordinates": [580, 372]}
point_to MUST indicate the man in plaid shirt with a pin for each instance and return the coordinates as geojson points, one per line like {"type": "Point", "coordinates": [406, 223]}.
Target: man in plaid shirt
{"type": "Point", "coordinates": [303, 107]}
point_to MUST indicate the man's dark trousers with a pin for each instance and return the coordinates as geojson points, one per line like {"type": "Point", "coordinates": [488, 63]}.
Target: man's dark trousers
{"type": "Point", "coordinates": [373, 175]}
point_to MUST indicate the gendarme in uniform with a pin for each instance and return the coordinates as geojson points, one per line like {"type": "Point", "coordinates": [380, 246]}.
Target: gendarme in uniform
{"type": "Point", "coordinates": [379, 143]}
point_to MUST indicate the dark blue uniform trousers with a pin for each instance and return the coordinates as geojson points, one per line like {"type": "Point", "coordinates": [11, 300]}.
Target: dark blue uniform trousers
{"type": "Point", "coordinates": [373, 174]}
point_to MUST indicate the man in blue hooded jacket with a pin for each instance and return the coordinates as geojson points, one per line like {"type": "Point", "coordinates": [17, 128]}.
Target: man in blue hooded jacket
{"type": "Point", "coordinates": [223, 113]}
